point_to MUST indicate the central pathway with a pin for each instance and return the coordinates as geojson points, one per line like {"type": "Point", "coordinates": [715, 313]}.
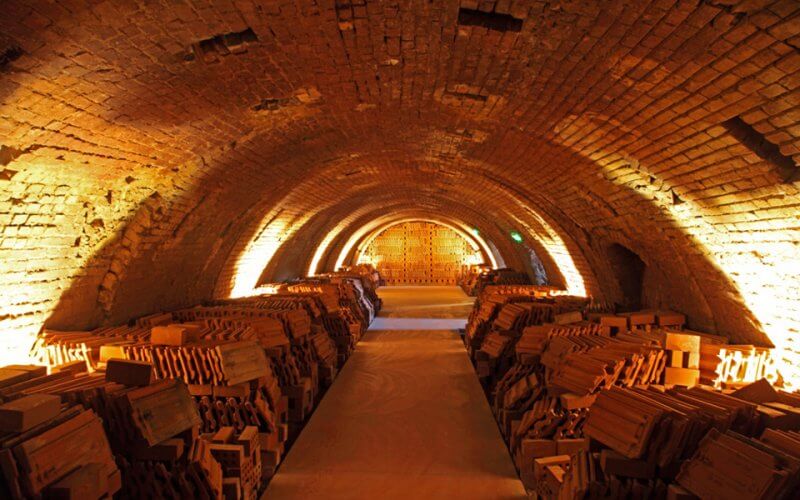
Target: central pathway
{"type": "Point", "coordinates": [406, 418]}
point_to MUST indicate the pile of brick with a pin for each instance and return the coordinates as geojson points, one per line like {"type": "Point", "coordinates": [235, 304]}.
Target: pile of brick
{"type": "Point", "coordinates": [195, 403]}
{"type": "Point", "coordinates": [597, 405]}
{"type": "Point", "coordinates": [681, 443]}
{"type": "Point", "coordinates": [500, 315]}
{"type": "Point", "coordinates": [487, 307]}
{"type": "Point", "coordinates": [94, 422]}
{"type": "Point", "coordinates": [696, 357]}
{"type": "Point", "coordinates": [347, 302]}
{"type": "Point", "coordinates": [475, 278]}
{"type": "Point", "coordinates": [48, 448]}
{"type": "Point", "coordinates": [366, 278]}
{"type": "Point", "coordinates": [240, 458]}
{"type": "Point", "coordinates": [471, 277]}
{"type": "Point", "coordinates": [369, 274]}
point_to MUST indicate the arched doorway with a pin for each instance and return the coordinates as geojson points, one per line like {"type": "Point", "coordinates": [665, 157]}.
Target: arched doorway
{"type": "Point", "coordinates": [629, 270]}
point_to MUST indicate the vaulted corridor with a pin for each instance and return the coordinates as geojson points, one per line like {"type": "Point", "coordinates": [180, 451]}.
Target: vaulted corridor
{"type": "Point", "coordinates": [405, 419]}
{"type": "Point", "coordinates": [230, 232]}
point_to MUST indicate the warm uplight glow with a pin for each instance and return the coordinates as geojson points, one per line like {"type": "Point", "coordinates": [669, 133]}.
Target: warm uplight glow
{"type": "Point", "coordinates": [766, 270]}
{"type": "Point", "coordinates": [557, 249]}
{"type": "Point", "coordinates": [270, 289]}
{"type": "Point", "coordinates": [37, 270]}
{"type": "Point", "coordinates": [16, 346]}
{"type": "Point", "coordinates": [255, 257]}
{"type": "Point", "coordinates": [321, 249]}
{"type": "Point", "coordinates": [738, 367]}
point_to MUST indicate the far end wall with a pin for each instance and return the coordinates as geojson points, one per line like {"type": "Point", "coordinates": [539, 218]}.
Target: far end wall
{"type": "Point", "coordinates": [420, 253]}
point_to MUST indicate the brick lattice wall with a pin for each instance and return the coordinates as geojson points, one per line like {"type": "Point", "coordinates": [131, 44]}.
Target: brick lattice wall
{"type": "Point", "coordinates": [420, 253]}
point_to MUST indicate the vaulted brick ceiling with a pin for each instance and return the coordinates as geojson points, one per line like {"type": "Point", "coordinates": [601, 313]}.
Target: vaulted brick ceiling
{"type": "Point", "coordinates": [146, 145]}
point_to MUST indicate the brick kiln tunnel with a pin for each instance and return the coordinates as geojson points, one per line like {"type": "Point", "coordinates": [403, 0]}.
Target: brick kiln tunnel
{"type": "Point", "coordinates": [613, 156]}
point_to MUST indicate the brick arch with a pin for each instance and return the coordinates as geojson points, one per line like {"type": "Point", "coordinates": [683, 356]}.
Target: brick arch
{"type": "Point", "coordinates": [297, 253]}
{"type": "Point", "coordinates": [513, 254]}
{"type": "Point", "coordinates": [350, 255]}
{"type": "Point", "coordinates": [302, 244]}
{"type": "Point", "coordinates": [253, 254]}
{"type": "Point", "coordinates": [131, 170]}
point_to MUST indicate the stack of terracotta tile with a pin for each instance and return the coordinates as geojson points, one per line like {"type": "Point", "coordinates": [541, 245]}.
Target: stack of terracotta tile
{"type": "Point", "coordinates": [546, 429]}
{"type": "Point", "coordinates": [141, 417]}
{"type": "Point", "coordinates": [511, 308]}
{"type": "Point", "coordinates": [535, 424]}
{"type": "Point", "coordinates": [533, 418]}
{"type": "Point", "coordinates": [677, 443]}
{"type": "Point", "coordinates": [327, 296]}
{"type": "Point", "coordinates": [48, 448]}
{"type": "Point", "coordinates": [291, 353]}
{"type": "Point", "coordinates": [584, 365]}
{"type": "Point", "coordinates": [252, 365]}
{"type": "Point", "coordinates": [310, 303]}
{"type": "Point", "coordinates": [568, 477]}
{"type": "Point", "coordinates": [55, 348]}
{"type": "Point", "coordinates": [478, 278]}
{"type": "Point", "coordinates": [204, 362]}
{"type": "Point", "coordinates": [515, 398]}
{"type": "Point", "coordinates": [151, 428]}
{"type": "Point", "coordinates": [493, 354]}
{"type": "Point", "coordinates": [479, 324]}
{"type": "Point", "coordinates": [511, 317]}
{"type": "Point", "coordinates": [491, 358]}
{"type": "Point", "coordinates": [172, 469]}
{"type": "Point", "coordinates": [514, 375]}
{"type": "Point", "coordinates": [514, 317]}
{"type": "Point", "coordinates": [255, 404]}
{"type": "Point", "coordinates": [296, 322]}
{"type": "Point", "coordinates": [508, 318]}
{"type": "Point", "coordinates": [596, 475]}
{"type": "Point", "coordinates": [294, 366]}
{"type": "Point", "coordinates": [326, 353]}
{"type": "Point", "coordinates": [239, 455]}
{"type": "Point", "coordinates": [67, 454]}
{"type": "Point", "coordinates": [312, 347]}
{"type": "Point", "coordinates": [663, 428]}
{"type": "Point", "coordinates": [260, 404]}
{"type": "Point", "coordinates": [641, 321]}
{"type": "Point", "coordinates": [729, 465]}
{"type": "Point", "coordinates": [492, 296]}
{"type": "Point", "coordinates": [349, 292]}
{"type": "Point", "coordinates": [732, 366]}
{"type": "Point", "coordinates": [358, 291]}
{"type": "Point", "coordinates": [343, 319]}
{"type": "Point", "coordinates": [501, 294]}
{"type": "Point", "coordinates": [535, 338]}
{"type": "Point", "coordinates": [233, 383]}
{"type": "Point", "coordinates": [470, 278]}
{"type": "Point", "coordinates": [370, 276]}
{"type": "Point", "coordinates": [613, 409]}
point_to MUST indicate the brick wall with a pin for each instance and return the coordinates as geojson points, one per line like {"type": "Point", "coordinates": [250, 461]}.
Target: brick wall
{"type": "Point", "coordinates": [137, 165]}
{"type": "Point", "coordinates": [420, 253]}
